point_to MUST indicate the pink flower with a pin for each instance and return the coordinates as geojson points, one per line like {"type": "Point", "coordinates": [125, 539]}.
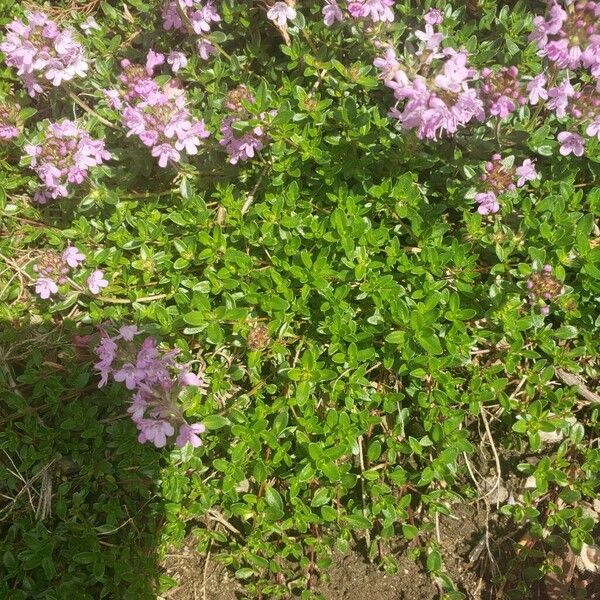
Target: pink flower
{"type": "Point", "coordinates": [378, 10]}
{"type": "Point", "coordinates": [434, 16]}
{"type": "Point", "coordinates": [165, 152]}
{"type": "Point", "coordinates": [571, 142]}
{"type": "Point", "coordinates": [431, 39]}
{"type": "Point", "coordinates": [388, 63]}
{"type": "Point", "coordinates": [331, 13]}
{"type": "Point", "coordinates": [155, 431]}
{"type": "Point", "coordinates": [41, 52]}
{"type": "Point", "coordinates": [455, 73]}
{"type": "Point", "coordinates": [502, 107]}
{"type": "Point", "coordinates": [536, 89]}
{"type": "Point", "coordinates": [192, 379]}
{"type": "Point", "coordinates": [205, 49]}
{"type": "Point", "coordinates": [189, 434]}
{"type": "Point", "coordinates": [356, 10]}
{"type": "Point", "coordinates": [65, 155]}
{"type": "Point", "coordinates": [153, 60]}
{"type": "Point", "coordinates": [96, 282]}
{"type": "Point", "coordinates": [130, 374]}
{"type": "Point", "coordinates": [45, 287]}
{"type": "Point", "coordinates": [177, 60]}
{"type": "Point", "coordinates": [559, 98]}
{"type": "Point", "coordinates": [73, 257]}
{"type": "Point", "coordinates": [280, 13]}
{"type": "Point", "coordinates": [127, 332]}
{"type": "Point", "coordinates": [526, 172]}
{"type": "Point", "coordinates": [488, 203]}
{"type": "Point", "coordinates": [593, 129]}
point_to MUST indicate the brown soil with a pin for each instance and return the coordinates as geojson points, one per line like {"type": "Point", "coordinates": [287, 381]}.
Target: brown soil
{"type": "Point", "coordinates": [350, 578]}
{"type": "Point", "coordinates": [197, 579]}
{"type": "Point", "coordinates": [459, 535]}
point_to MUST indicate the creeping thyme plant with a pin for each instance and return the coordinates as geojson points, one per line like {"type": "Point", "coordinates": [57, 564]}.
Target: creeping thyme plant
{"type": "Point", "coordinates": [292, 279]}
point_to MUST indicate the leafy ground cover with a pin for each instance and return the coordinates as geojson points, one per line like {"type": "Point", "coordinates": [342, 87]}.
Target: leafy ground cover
{"type": "Point", "coordinates": [282, 282]}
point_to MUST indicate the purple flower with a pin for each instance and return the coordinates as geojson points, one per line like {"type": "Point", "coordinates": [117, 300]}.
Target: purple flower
{"type": "Point", "coordinates": [65, 155]}
{"type": "Point", "coordinates": [593, 129]}
{"type": "Point", "coordinates": [192, 379]}
{"type": "Point", "coordinates": [189, 434]}
{"type": "Point", "coordinates": [568, 37]}
{"type": "Point", "coordinates": [155, 431]}
{"type": "Point", "coordinates": [455, 73]}
{"type": "Point", "coordinates": [96, 282]}
{"type": "Point", "coordinates": [502, 107]}
{"type": "Point", "coordinates": [130, 374]}
{"type": "Point", "coordinates": [280, 13]}
{"type": "Point", "coordinates": [205, 49]}
{"type": "Point", "coordinates": [45, 287]}
{"type": "Point", "coordinates": [177, 60]}
{"type": "Point", "coordinates": [434, 16]}
{"type": "Point", "coordinates": [153, 60]}
{"type": "Point", "coordinates": [73, 257]}
{"type": "Point", "coordinates": [571, 142]}
{"type": "Point", "coordinates": [156, 379]}
{"type": "Point", "coordinates": [526, 172]}
{"type": "Point", "coordinates": [201, 17]}
{"type": "Point", "coordinates": [165, 152]}
{"type": "Point", "coordinates": [138, 406]}
{"type": "Point", "coordinates": [9, 116]}
{"type": "Point", "coordinates": [128, 332]}
{"type": "Point", "coordinates": [40, 51]}
{"type": "Point", "coordinates": [356, 10]}
{"type": "Point", "coordinates": [331, 13]}
{"type": "Point", "coordinates": [378, 10]}
{"type": "Point", "coordinates": [431, 39]}
{"type": "Point", "coordinates": [559, 98]}
{"type": "Point", "coordinates": [488, 203]}
{"type": "Point", "coordinates": [536, 89]}
{"type": "Point", "coordinates": [388, 64]}
{"type": "Point", "coordinates": [157, 113]}
{"type": "Point", "coordinates": [106, 351]}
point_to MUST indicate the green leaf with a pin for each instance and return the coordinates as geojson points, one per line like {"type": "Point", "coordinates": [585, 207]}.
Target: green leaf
{"type": "Point", "coordinates": [358, 521]}
{"type": "Point", "coordinates": [213, 422]}
{"type": "Point", "coordinates": [434, 561]}
{"type": "Point", "coordinates": [274, 499]}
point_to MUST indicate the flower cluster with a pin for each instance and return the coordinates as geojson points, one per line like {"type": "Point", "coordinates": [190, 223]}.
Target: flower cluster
{"type": "Point", "coordinates": [544, 288]}
{"type": "Point", "coordinates": [41, 52]}
{"type": "Point", "coordinates": [499, 178]}
{"type": "Point", "coordinates": [570, 37]}
{"type": "Point", "coordinates": [195, 16]}
{"type": "Point", "coordinates": [156, 380]}
{"type": "Point", "coordinates": [9, 121]}
{"type": "Point", "coordinates": [583, 105]}
{"type": "Point", "coordinates": [433, 101]}
{"type": "Point", "coordinates": [53, 269]}
{"type": "Point", "coordinates": [157, 113]}
{"type": "Point", "coordinates": [585, 108]}
{"type": "Point", "coordinates": [244, 146]}
{"type": "Point", "coordinates": [502, 91]}
{"type": "Point", "coordinates": [374, 11]}
{"type": "Point", "coordinates": [64, 156]}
